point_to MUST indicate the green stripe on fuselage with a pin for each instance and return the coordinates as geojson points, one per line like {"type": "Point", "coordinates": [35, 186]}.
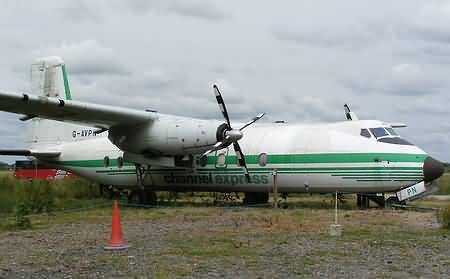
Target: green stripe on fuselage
{"type": "Point", "coordinates": [323, 158]}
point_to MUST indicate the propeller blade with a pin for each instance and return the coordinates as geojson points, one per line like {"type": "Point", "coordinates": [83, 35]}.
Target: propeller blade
{"type": "Point", "coordinates": [241, 159]}
{"type": "Point", "coordinates": [221, 103]}
{"type": "Point", "coordinates": [216, 147]}
{"type": "Point", "coordinates": [219, 145]}
{"type": "Point", "coordinates": [256, 118]}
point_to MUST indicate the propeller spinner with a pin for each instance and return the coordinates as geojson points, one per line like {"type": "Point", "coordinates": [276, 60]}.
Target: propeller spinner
{"type": "Point", "coordinates": [230, 135]}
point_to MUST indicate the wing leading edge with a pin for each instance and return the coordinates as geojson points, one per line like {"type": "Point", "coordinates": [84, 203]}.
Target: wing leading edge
{"type": "Point", "coordinates": [101, 116]}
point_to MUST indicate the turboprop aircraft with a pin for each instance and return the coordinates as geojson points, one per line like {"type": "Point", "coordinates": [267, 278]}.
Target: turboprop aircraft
{"type": "Point", "coordinates": [147, 151]}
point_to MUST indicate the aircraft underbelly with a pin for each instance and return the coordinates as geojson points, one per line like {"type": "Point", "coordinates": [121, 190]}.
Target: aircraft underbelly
{"type": "Point", "coordinates": [229, 182]}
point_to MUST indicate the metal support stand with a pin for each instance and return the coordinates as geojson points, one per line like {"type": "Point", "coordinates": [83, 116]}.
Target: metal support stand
{"type": "Point", "coordinates": [336, 209]}
{"type": "Point", "coordinates": [275, 189]}
{"type": "Point", "coordinates": [336, 229]}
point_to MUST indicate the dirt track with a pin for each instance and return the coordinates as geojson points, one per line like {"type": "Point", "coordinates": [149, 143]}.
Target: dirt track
{"type": "Point", "coordinates": [233, 243]}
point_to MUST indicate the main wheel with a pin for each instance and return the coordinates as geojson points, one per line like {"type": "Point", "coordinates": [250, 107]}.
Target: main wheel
{"type": "Point", "coordinates": [142, 197]}
{"type": "Point", "coordinates": [256, 198]}
{"type": "Point", "coordinates": [106, 191]}
{"type": "Point", "coordinates": [136, 197]}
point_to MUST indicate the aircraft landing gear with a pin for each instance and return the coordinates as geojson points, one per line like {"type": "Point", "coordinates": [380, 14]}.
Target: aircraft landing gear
{"type": "Point", "coordinates": [391, 201]}
{"type": "Point", "coordinates": [363, 200]}
{"type": "Point", "coordinates": [256, 198]}
{"type": "Point", "coordinates": [143, 195]}
{"type": "Point", "coordinates": [106, 191]}
{"type": "Point", "coordinates": [141, 173]}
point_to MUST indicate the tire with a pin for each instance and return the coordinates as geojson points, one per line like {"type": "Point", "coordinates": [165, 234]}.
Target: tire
{"type": "Point", "coordinates": [256, 198]}
{"type": "Point", "coordinates": [142, 197]}
{"type": "Point", "coordinates": [136, 197]}
{"type": "Point", "coordinates": [391, 201]}
{"type": "Point", "coordinates": [106, 191]}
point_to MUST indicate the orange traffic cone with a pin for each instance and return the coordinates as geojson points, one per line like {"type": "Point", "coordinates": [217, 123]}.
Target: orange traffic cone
{"type": "Point", "coordinates": [117, 242]}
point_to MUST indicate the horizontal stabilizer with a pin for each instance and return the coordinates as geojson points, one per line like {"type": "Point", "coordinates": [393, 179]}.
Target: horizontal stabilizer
{"type": "Point", "coordinates": [28, 152]}
{"type": "Point", "coordinates": [89, 114]}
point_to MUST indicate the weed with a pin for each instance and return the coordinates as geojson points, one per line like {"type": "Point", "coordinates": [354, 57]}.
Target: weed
{"type": "Point", "coordinates": [444, 217]}
{"type": "Point", "coordinates": [444, 185]}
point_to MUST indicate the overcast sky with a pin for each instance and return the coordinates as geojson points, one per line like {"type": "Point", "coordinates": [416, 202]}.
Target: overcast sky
{"type": "Point", "coordinates": [299, 61]}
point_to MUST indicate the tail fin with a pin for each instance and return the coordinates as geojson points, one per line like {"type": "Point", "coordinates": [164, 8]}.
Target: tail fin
{"type": "Point", "coordinates": [49, 78]}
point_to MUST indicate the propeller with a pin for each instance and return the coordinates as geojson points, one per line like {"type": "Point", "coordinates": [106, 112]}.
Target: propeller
{"type": "Point", "coordinates": [230, 135]}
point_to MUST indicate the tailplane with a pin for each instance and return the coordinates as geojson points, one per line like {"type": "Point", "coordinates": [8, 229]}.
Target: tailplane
{"type": "Point", "coordinates": [49, 78]}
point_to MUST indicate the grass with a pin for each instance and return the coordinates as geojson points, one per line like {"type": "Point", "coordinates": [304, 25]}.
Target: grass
{"type": "Point", "coordinates": [204, 240]}
{"type": "Point", "coordinates": [7, 203]}
{"type": "Point", "coordinates": [444, 217]}
{"type": "Point", "coordinates": [444, 184]}
{"type": "Point", "coordinates": [21, 198]}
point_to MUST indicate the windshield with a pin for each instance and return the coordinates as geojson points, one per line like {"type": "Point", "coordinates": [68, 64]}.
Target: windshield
{"type": "Point", "coordinates": [391, 131]}
{"type": "Point", "coordinates": [379, 132]}
{"type": "Point", "coordinates": [385, 135]}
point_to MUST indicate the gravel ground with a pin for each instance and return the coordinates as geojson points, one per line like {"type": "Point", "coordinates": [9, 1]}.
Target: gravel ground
{"type": "Point", "coordinates": [234, 243]}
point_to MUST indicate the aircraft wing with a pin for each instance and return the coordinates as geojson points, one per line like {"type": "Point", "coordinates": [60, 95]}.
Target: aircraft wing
{"type": "Point", "coordinates": [89, 114]}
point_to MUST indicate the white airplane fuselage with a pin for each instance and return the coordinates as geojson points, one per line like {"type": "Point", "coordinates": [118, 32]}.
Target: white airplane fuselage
{"type": "Point", "coordinates": [306, 158]}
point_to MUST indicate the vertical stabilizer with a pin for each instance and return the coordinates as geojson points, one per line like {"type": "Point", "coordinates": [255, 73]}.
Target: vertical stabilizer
{"type": "Point", "coordinates": [49, 78]}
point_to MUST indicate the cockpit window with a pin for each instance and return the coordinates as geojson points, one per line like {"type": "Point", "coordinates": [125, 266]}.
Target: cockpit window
{"type": "Point", "coordinates": [365, 133]}
{"type": "Point", "coordinates": [396, 140]}
{"type": "Point", "coordinates": [379, 132]}
{"type": "Point", "coordinates": [391, 131]}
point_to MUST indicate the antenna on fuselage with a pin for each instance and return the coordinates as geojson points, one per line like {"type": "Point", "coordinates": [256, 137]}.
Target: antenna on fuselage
{"type": "Point", "coordinates": [350, 114]}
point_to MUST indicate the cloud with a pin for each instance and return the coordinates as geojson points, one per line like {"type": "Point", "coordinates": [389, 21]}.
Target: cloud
{"type": "Point", "coordinates": [404, 79]}
{"type": "Point", "coordinates": [325, 37]}
{"type": "Point", "coordinates": [82, 11]}
{"type": "Point", "coordinates": [87, 57]}
{"type": "Point", "coordinates": [205, 10]}
{"type": "Point", "coordinates": [427, 22]}
{"type": "Point", "coordinates": [298, 61]}
{"type": "Point", "coordinates": [157, 79]}
{"type": "Point", "coordinates": [430, 23]}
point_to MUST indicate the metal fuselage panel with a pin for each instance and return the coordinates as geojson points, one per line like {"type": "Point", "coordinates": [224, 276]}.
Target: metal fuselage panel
{"type": "Point", "coordinates": [307, 158]}
{"type": "Point", "coordinates": [168, 135]}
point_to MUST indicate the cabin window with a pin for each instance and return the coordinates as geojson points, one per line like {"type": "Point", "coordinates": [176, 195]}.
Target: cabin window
{"type": "Point", "coordinates": [262, 159]}
{"type": "Point", "coordinates": [120, 162]}
{"type": "Point", "coordinates": [106, 161]}
{"type": "Point", "coordinates": [379, 132]}
{"type": "Point", "coordinates": [391, 131]}
{"type": "Point", "coordinates": [365, 133]}
{"type": "Point", "coordinates": [221, 158]}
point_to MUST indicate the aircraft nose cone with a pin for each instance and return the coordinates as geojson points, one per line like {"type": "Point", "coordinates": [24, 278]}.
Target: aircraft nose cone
{"type": "Point", "coordinates": [432, 169]}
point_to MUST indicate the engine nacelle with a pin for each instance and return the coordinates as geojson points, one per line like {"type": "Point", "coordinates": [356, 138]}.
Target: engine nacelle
{"type": "Point", "coordinates": [168, 135]}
